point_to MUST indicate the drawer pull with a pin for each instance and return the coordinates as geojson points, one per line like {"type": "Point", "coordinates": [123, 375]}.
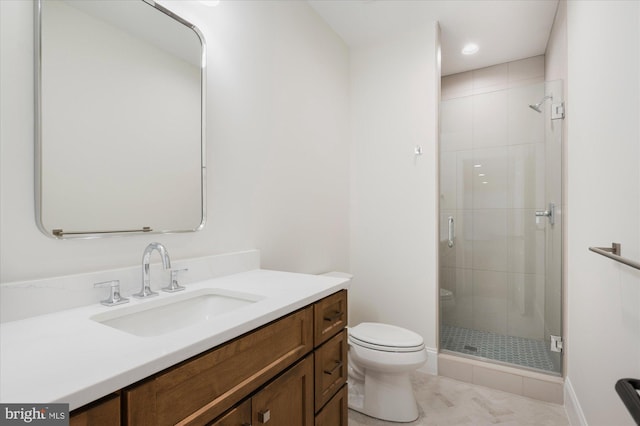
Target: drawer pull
{"type": "Point", "coordinates": [264, 416]}
{"type": "Point", "coordinates": [334, 369]}
{"type": "Point", "coordinates": [333, 316]}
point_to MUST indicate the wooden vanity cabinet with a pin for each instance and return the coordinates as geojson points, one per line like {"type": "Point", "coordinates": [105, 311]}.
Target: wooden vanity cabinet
{"type": "Point", "coordinates": [237, 416]}
{"type": "Point", "coordinates": [103, 412]}
{"type": "Point", "coordinates": [330, 316]}
{"type": "Point", "coordinates": [288, 400]}
{"type": "Point", "coordinates": [201, 388]}
{"type": "Point", "coordinates": [291, 372]}
{"type": "Point", "coordinates": [330, 368]}
{"type": "Point", "coordinates": [336, 412]}
{"type": "Point", "coordinates": [331, 363]}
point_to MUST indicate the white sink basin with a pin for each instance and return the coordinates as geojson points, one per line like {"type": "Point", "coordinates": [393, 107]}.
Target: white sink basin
{"type": "Point", "coordinates": [164, 315]}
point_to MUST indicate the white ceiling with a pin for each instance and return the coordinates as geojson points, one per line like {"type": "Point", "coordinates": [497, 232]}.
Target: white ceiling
{"type": "Point", "coordinates": [505, 30]}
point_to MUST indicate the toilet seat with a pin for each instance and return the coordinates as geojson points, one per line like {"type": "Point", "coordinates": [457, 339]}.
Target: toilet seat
{"type": "Point", "coordinates": [381, 359]}
{"type": "Point", "coordinates": [385, 338]}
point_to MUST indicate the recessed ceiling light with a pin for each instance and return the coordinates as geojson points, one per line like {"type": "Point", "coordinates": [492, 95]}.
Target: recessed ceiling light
{"type": "Point", "coordinates": [470, 49]}
{"type": "Point", "coordinates": [210, 3]}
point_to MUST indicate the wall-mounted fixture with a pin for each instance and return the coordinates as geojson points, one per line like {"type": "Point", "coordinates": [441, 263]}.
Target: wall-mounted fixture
{"type": "Point", "coordinates": [557, 109]}
{"type": "Point", "coordinates": [615, 252]}
{"type": "Point", "coordinates": [538, 107]}
{"type": "Point", "coordinates": [119, 119]}
{"type": "Point", "coordinates": [550, 213]}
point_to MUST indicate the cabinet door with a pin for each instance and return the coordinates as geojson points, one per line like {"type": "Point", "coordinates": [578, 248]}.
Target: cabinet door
{"type": "Point", "coordinates": [330, 316]}
{"type": "Point", "coordinates": [104, 412]}
{"type": "Point", "coordinates": [288, 400]}
{"type": "Point", "coordinates": [239, 416]}
{"type": "Point", "coordinates": [330, 368]}
{"type": "Point", "coordinates": [335, 413]}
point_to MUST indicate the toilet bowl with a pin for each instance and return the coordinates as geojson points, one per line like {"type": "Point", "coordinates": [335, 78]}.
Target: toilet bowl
{"type": "Point", "coordinates": [447, 302]}
{"type": "Point", "coordinates": [381, 359]}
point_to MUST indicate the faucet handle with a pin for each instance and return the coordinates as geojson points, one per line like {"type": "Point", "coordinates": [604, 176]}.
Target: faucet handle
{"type": "Point", "coordinates": [114, 295]}
{"type": "Point", "coordinates": [174, 285]}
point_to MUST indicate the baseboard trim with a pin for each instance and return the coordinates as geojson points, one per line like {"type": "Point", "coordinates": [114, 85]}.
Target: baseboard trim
{"type": "Point", "coordinates": [431, 367]}
{"type": "Point", "coordinates": [572, 405]}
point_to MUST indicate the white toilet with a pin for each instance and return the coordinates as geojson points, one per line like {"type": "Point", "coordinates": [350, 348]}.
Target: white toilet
{"type": "Point", "coordinates": [381, 359]}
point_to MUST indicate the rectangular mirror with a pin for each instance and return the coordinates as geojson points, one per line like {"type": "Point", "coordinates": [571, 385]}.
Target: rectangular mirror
{"type": "Point", "coordinates": [119, 119]}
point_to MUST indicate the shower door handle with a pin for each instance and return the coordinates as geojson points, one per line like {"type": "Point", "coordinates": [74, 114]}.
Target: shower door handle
{"type": "Point", "coordinates": [452, 232]}
{"type": "Point", "coordinates": [551, 213]}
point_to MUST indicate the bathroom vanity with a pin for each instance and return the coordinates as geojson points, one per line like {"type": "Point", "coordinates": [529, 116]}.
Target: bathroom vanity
{"type": "Point", "coordinates": [288, 372]}
{"type": "Point", "coordinates": [291, 371]}
{"type": "Point", "coordinates": [280, 359]}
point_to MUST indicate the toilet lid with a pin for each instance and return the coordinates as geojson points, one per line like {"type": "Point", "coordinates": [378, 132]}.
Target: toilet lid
{"type": "Point", "coordinates": [385, 337]}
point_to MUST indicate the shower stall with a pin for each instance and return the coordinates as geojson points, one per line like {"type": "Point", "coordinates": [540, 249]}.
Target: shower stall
{"type": "Point", "coordinates": [501, 221]}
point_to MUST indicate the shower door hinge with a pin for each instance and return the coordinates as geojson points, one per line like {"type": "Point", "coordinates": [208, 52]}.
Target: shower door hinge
{"type": "Point", "coordinates": [556, 344]}
{"type": "Point", "coordinates": [557, 111]}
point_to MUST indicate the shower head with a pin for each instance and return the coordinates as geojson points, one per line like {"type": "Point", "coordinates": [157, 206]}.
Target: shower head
{"type": "Point", "coordinates": [537, 107]}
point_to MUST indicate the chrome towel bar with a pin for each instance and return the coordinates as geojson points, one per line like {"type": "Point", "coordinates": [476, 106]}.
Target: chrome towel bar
{"type": "Point", "coordinates": [614, 252]}
{"type": "Point", "coordinates": [60, 233]}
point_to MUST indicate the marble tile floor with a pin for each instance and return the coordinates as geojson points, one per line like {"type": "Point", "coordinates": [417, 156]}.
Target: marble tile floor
{"type": "Point", "coordinates": [447, 402]}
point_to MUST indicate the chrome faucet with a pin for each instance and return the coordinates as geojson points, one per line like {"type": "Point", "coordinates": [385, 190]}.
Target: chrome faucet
{"type": "Point", "coordinates": [146, 277]}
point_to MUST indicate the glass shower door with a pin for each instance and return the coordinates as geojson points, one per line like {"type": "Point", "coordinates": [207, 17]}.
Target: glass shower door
{"type": "Point", "coordinates": [500, 255]}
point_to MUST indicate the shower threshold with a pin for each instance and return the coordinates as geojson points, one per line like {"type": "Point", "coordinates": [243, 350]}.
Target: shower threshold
{"type": "Point", "coordinates": [497, 348]}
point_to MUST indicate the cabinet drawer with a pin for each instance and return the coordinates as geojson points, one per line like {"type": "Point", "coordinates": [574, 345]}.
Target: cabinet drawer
{"type": "Point", "coordinates": [202, 388]}
{"type": "Point", "coordinates": [288, 400]}
{"type": "Point", "coordinates": [105, 411]}
{"type": "Point", "coordinates": [335, 413]}
{"type": "Point", "coordinates": [330, 316]}
{"type": "Point", "coordinates": [330, 368]}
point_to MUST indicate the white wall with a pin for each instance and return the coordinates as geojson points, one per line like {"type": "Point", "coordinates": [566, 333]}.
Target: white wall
{"type": "Point", "coordinates": [604, 204]}
{"type": "Point", "coordinates": [277, 146]}
{"type": "Point", "coordinates": [394, 98]}
{"type": "Point", "coordinates": [556, 53]}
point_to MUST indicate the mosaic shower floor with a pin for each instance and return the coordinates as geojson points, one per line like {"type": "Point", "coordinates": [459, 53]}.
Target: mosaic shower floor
{"type": "Point", "coordinates": [513, 350]}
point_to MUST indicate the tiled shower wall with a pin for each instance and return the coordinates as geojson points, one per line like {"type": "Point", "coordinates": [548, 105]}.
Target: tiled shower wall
{"type": "Point", "coordinates": [491, 182]}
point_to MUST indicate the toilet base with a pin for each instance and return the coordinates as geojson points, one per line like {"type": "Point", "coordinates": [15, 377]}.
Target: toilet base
{"type": "Point", "coordinates": [384, 396]}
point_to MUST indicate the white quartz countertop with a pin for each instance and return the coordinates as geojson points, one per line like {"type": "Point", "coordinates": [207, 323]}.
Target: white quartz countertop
{"type": "Point", "coordinates": [68, 357]}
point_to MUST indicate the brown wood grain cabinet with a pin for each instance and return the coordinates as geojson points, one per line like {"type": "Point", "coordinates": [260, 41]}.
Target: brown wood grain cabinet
{"type": "Point", "coordinates": [330, 368]}
{"type": "Point", "coordinates": [104, 412]}
{"type": "Point", "coordinates": [291, 372]}
{"type": "Point", "coordinates": [237, 416]}
{"type": "Point", "coordinates": [335, 413]}
{"type": "Point", "coordinates": [330, 316]}
{"type": "Point", "coordinates": [331, 364]}
{"type": "Point", "coordinates": [287, 400]}
{"type": "Point", "coordinates": [201, 388]}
